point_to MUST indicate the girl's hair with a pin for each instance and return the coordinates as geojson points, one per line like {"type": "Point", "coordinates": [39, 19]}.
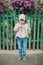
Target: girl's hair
{"type": "Point", "coordinates": [25, 20]}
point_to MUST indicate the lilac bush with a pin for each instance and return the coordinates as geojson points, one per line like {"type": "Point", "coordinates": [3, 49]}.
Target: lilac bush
{"type": "Point", "coordinates": [1, 5]}
{"type": "Point", "coordinates": [21, 4]}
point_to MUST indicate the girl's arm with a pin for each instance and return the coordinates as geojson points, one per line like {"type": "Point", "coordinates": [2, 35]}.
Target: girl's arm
{"type": "Point", "coordinates": [16, 27]}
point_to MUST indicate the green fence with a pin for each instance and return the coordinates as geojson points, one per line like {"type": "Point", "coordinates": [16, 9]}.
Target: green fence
{"type": "Point", "coordinates": [7, 34]}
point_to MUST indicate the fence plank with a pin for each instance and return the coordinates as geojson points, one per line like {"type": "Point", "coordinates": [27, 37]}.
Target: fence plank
{"type": "Point", "coordinates": [0, 33]}
{"type": "Point", "coordinates": [38, 30]}
{"type": "Point", "coordinates": [14, 32]}
{"type": "Point", "coordinates": [7, 29]}
{"type": "Point", "coordinates": [11, 31]}
{"type": "Point", "coordinates": [3, 33]}
{"type": "Point", "coordinates": [34, 32]}
{"type": "Point", "coordinates": [41, 38]}
{"type": "Point", "coordinates": [30, 34]}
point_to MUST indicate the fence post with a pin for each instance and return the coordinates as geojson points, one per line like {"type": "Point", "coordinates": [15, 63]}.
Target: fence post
{"type": "Point", "coordinates": [42, 32]}
{"type": "Point", "coordinates": [14, 32]}
{"type": "Point", "coordinates": [38, 33]}
{"type": "Point", "coordinates": [3, 32]}
{"type": "Point", "coordinates": [34, 30]}
{"type": "Point", "coordinates": [30, 34]}
{"type": "Point", "coordinates": [30, 30]}
{"type": "Point", "coordinates": [0, 32]}
{"type": "Point", "coordinates": [11, 31]}
{"type": "Point", "coordinates": [7, 29]}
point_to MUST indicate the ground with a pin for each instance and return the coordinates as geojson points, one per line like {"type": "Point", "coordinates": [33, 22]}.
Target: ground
{"type": "Point", "coordinates": [10, 57]}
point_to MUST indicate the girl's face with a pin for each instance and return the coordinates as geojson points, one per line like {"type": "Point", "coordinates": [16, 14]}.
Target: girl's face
{"type": "Point", "coordinates": [22, 21]}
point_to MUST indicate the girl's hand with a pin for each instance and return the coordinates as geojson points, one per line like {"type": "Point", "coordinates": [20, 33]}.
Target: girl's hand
{"type": "Point", "coordinates": [20, 26]}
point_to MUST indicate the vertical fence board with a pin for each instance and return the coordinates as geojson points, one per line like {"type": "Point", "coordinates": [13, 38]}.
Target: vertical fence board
{"type": "Point", "coordinates": [3, 33]}
{"type": "Point", "coordinates": [0, 33]}
{"type": "Point", "coordinates": [41, 39]}
{"type": "Point", "coordinates": [7, 29]}
{"type": "Point", "coordinates": [34, 31]}
{"type": "Point", "coordinates": [14, 32]}
{"type": "Point", "coordinates": [11, 31]}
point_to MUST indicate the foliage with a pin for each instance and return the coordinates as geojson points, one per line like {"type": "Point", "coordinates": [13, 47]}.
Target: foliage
{"type": "Point", "coordinates": [40, 3]}
{"type": "Point", "coordinates": [22, 5]}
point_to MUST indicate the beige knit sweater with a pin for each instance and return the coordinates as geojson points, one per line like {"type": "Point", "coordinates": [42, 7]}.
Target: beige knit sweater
{"type": "Point", "coordinates": [22, 32]}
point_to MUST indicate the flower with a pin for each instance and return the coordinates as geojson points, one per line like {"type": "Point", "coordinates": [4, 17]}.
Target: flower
{"type": "Point", "coordinates": [1, 6]}
{"type": "Point", "coordinates": [21, 4]}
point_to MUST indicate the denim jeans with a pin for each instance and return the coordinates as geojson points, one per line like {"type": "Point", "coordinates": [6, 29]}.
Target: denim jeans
{"type": "Point", "coordinates": [22, 45]}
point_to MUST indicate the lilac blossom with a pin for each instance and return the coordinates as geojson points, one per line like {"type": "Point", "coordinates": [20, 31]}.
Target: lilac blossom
{"type": "Point", "coordinates": [21, 4]}
{"type": "Point", "coordinates": [1, 6]}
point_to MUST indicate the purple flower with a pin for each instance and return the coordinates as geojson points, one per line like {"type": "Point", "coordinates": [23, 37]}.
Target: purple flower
{"type": "Point", "coordinates": [11, 7]}
{"type": "Point", "coordinates": [16, 7]}
{"type": "Point", "coordinates": [21, 9]}
{"type": "Point", "coordinates": [33, 1]}
{"type": "Point", "coordinates": [21, 1]}
{"type": "Point", "coordinates": [1, 6]}
{"type": "Point", "coordinates": [26, 2]}
{"type": "Point", "coordinates": [21, 4]}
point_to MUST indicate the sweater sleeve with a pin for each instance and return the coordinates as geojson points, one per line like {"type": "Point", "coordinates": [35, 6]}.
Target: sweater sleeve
{"type": "Point", "coordinates": [16, 27]}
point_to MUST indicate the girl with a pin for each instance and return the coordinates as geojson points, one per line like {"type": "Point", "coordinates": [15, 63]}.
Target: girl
{"type": "Point", "coordinates": [22, 30]}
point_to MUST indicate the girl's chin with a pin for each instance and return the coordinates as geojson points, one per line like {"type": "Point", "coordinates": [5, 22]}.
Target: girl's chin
{"type": "Point", "coordinates": [22, 23]}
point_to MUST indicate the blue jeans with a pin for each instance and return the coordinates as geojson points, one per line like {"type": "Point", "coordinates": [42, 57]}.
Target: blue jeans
{"type": "Point", "coordinates": [22, 45]}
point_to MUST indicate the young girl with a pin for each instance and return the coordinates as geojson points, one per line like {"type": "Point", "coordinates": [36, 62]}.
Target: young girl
{"type": "Point", "coordinates": [22, 30]}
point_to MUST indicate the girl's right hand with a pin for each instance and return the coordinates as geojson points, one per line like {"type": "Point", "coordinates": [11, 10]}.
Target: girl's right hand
{"type": "Point", "coordinates": [20, 26]}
